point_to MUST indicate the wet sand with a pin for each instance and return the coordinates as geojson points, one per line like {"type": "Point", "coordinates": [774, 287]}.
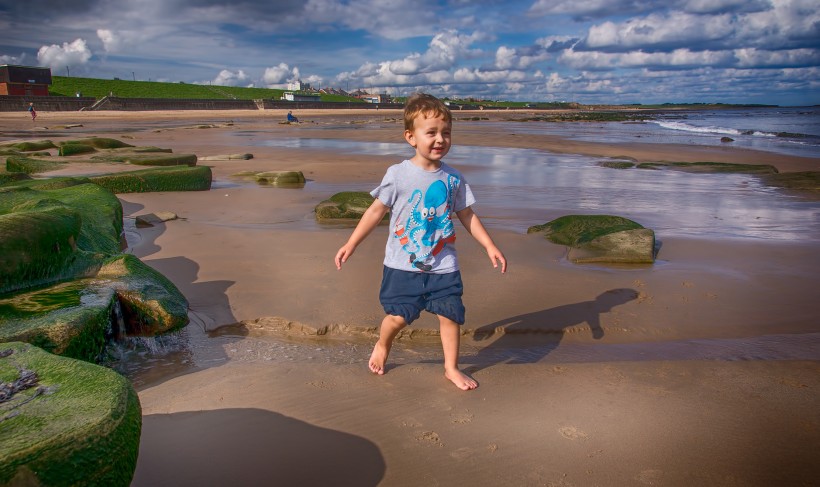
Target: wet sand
{"type": "Point", "coordinates": [699, 370]}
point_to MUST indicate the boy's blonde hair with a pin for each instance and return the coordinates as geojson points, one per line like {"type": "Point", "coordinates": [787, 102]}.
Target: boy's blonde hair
{"type": "Point", "coordinates": [425, 104]}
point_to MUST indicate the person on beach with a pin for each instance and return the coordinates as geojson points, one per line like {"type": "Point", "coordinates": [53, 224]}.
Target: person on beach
{"type": "Point", "coordinates": [32, 111]}
{"type": "Point", "coordinates": [421, 270]}
{"type": "Point", "coordinates": [291, 118]}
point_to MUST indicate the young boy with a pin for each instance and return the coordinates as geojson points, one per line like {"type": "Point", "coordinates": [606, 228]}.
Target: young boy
{"type": "Point", "coordinates": [421, 269]}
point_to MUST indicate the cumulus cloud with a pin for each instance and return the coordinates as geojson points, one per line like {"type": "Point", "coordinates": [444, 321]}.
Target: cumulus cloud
{"type": "Point", "coordinates": [278, 76]}
{"type": "Point", "coordinates": [230, 78]}
{"type": "Point", "coordinates": [6, 59]}
{"type": "Point", "coordinates": [69, 54]}
{"type": "Point", "coordinates": [443, 51]}
{"type": "Point", "coordinates": [111, 42]}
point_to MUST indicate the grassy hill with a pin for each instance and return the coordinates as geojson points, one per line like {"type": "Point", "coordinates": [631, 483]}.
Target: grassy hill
{"type": "Point", "coordinates": [98, 88]}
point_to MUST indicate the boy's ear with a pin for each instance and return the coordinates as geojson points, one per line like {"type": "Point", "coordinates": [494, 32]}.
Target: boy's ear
{"type": "Point", "coordinates": [408, 136]}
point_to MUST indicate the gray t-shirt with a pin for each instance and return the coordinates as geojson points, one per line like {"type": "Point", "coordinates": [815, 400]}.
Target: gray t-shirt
{"type": "Point", "coordinates": [421, 203]}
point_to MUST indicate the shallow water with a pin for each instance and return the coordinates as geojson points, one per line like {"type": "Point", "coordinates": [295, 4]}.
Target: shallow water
{"type": "Point", "coordinates": [518, 188]}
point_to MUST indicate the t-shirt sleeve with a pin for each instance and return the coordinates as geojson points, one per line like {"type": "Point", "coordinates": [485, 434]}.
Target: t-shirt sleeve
{"type": "Point", "coordinates": [464, 196]}
{"type": "Point", "coordinates": [387, 192]}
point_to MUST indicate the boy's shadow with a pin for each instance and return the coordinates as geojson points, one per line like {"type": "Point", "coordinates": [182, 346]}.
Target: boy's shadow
{"type": "Point", "coordinates": [530, 337]}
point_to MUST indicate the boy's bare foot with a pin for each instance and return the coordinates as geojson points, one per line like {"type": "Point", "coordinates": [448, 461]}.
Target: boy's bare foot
{"type": "Point", "coordinates": [378, 358]}
{"type": "Point", "coordinates": [461, 380]}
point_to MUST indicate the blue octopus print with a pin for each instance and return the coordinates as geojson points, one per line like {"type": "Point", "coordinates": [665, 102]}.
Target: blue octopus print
{"type": "Point", "coordinates": [429, 227]}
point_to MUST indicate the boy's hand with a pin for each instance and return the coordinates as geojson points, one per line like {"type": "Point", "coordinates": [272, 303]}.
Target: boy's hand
{"type": "Point", "coordinates": [342, 255]}
{"type": "Point", "coordinates": [497, 257]}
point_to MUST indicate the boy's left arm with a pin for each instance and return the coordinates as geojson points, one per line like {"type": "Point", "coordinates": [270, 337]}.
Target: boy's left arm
{"type": "Point", "coordinates": [474, 226]}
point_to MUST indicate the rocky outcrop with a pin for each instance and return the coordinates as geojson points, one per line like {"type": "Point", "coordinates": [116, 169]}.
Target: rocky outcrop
{"type": "Point", "coordinates": [347, 205]}
{"type": "Point", "coordinates": [64, 421]}
{"type": "Point", "coordinates": [601, 238]}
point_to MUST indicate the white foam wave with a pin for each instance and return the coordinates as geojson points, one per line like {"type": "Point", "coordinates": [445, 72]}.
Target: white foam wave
{"type": "Point", "coordinates": [685, 127]}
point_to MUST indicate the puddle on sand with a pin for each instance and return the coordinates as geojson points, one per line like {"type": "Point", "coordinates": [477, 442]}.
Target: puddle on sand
{"type": "Point", "coordinates": [147, 361]}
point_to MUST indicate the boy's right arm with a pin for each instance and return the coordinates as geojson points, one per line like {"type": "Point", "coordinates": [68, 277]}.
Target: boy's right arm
{"type": "Point", "coordinates": [370, 220]}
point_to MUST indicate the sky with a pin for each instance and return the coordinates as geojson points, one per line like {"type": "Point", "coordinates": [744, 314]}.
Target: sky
{"type": "Point", "coordinates": [585, 51]}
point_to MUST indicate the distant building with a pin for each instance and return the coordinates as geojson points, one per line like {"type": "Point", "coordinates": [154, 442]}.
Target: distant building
{"type": "Point", "coordinates": [24, 80]}
{"type": "Point", "coordinates": [380, 98]}
{"type": "Point", "coordinates": [290, 96]}
{"type": "Point", "coordinates": [299, 86]}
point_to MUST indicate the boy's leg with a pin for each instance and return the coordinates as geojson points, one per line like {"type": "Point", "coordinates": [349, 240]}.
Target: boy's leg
{"type": "Point", "coordinates": [450, 342]}
{"type": "Point", "coordinates": [391, 326]}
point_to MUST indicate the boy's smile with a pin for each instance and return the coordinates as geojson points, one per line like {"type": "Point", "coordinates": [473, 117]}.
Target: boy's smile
{"type": "Point", "coordinates": [431, 137]}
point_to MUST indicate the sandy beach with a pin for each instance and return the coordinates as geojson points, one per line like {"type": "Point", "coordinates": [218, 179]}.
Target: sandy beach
{"type": "Point", "coordinates": [699, 370]}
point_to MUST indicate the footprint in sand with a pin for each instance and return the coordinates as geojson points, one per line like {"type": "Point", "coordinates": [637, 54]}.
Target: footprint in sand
{"type": "Point", "coordinates": [461, 418]}
{"type": "Point", "coordinates": [430, 436]}
{"type": "Point", "coordinates": [572, 433]}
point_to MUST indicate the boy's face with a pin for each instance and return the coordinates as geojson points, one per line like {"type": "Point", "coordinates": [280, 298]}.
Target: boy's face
{"type": "Point", "coordinates": [430, 137]}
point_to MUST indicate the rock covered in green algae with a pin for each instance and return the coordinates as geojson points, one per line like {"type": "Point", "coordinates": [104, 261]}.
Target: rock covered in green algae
{"type": "Point", "coordinates": [68, 149]}
{"type": "Point", "coordinates": [711, 167]}
{"type": "Point", "coordinates": [98, 143]}
{"type": "Point", "coordinates": [179, 178]}
{"type": "Point", "coordinates": [32, 145]}
{"type": "Point", "coordinates": [280, 178]}
{"type": "Point", "coordinates": [600, 238]}
{"type": "Point", "coordinates": [65, 422]}
{"type": "Point", "coordinates": [55, 230]}
{"type": "Point", "coordinates": [347, 205]}
{"type": "Point", "coordinates": [29, 165]}
{"type": "Point", "coordinates": [73, 318]}
{"type": "Point", "coordinates": [151, 303]}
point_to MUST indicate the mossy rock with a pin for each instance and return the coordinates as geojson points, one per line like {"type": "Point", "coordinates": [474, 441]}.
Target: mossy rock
{"type": "Point", "coordinates": [347, 205]}
{"type": "Point", "coordinates": [600, 238]}
{"type": "Point", "coordinates": [182, 178]}
{"type": "Point", "coordinates": [32, 145]}
{"type": "Point", "coordinates": [711, 167]}
{"type": "Point", "coordinates": [625, 247]}
{"type": "Point", "coordinates": [67, 422]}
{"type": "Point", "coordinates": [163, 160]}
{"type": "Point", "coordinates": [574, 229]}
{"type": "Point", "coordinates": [28, 165]}
{"type": "Point", "coordinates": [280, 178]}
{"type": "Point", "coordinates": [617, 164]}
{"type": "Point", "coordinates": [39, 236]}
{"type": "Point", "coordinates": [67, 149]}
{"type": "Point", "coordinates": [805, 181]}
{"type": "Point", "coordinates": [10, 177]}
{"type": "Point", "coordinates": [74, 318]}
{"type": "Point", "coordinates": [151, 303]}
{"type": "Point", "coordinates": [99, 143]}
{"type": "Point", "coordinates": [39, 246]}
{"type": "Point", "coordinates": [70, 318]}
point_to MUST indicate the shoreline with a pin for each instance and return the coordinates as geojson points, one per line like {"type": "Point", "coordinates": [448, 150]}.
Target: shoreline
{"type": "Point", "coordinates": [722, 387]}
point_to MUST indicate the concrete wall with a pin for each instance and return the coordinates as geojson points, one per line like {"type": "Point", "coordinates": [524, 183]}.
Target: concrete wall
{"type": "Point", "coordinates": [66, 103]}
{"type": "Point", "coordinates": [44, 103]}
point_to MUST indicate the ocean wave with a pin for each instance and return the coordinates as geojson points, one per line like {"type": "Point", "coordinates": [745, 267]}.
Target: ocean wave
{"type": "Point", "coordinates": [685, 127]}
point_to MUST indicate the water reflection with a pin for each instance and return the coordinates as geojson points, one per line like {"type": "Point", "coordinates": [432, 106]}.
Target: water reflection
{"type": "Point", "coordinates": [518, 188]}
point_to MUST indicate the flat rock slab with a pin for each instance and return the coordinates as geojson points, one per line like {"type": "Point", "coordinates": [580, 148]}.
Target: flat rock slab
{"type": "Point", "coordinates": [64, 421]}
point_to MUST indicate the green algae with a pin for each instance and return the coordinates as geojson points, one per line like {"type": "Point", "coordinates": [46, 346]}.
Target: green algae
{"type": "Point", "coordinates": [288, 179]}
{"type": "Point", "coordinates": [183, 178]}
{"type": "Point", "coordinates": [572, 230]}
{"type": "Point", "coordinates": [345, 205]}
{"type": "Point", "coordinates": [98, 143]}
{"type": "Point", "coordinates": [79, 424]}
{"type": "Point", "coordinates": [29, 165]}
{"type": "Point", "coordinates": [711, 167]}
{"type": "Point", "coordinates": [32, 145]}
{"type": "Point", "coordinates": [804, 181]}
{"type": "Point", "coordinates": [67, 149]}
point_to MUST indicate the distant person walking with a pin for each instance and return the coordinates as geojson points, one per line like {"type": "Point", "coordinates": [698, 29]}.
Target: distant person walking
{"type": "Point", "coordinates": [32, 111]}
{"type": "Point", "coordinates": [291, 118]}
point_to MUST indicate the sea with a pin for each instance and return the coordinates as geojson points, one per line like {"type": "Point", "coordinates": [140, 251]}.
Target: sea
{"type": "Point", "coordinates": [519, 188]}
{"type": "Point", "coordinates": [784, 130]}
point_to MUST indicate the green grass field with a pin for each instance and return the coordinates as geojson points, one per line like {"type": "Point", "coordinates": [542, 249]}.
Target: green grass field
{"type": "Point", "coordinates": [98, 88]}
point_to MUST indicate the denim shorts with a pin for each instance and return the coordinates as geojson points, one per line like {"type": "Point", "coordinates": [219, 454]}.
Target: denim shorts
{"type": "Point", "coordinates": [406, 294]}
